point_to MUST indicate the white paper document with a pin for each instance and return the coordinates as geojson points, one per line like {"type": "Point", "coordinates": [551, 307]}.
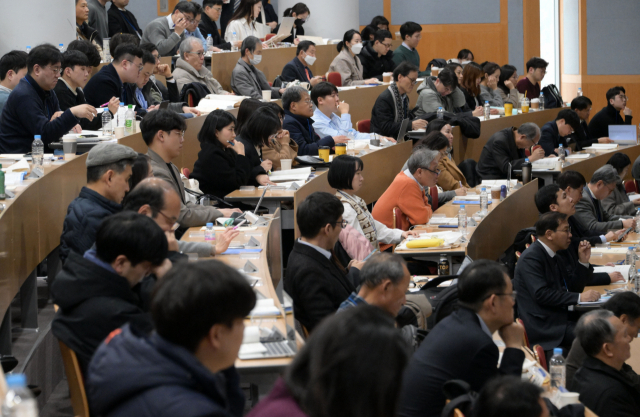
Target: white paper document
{"type": "Point", "coordinates": [265, 307]}
{"type": "Point", "coordinates": [450, 221]}
{"type": "Point", "coordinates": [602, 146]}
{"type": "Point", "coordinates": [611, 250]}
{"type": "Point", "coordinates": [623, 269]}
{"type": "Point", "coordinates": [491, 183]}
{"type": "Point", "coordinates": [545, 163]}
{"type": "Point", "coordinates": [298, 174]}
{"type": "Point", "coordinates": [579, 156]}
{"type": "Point", "coordinates": [21, 165]}
{"type": "Point", "coordinates": [634, 197]}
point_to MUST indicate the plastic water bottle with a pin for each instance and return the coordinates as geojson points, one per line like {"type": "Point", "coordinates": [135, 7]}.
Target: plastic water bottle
{"type": "Point", "coordinates": [37, 152]}
{"type": "Point", "coordinates": [541, 101]}
{"type": "Point", "coordinates": [120, 115]}
{"type": "Point", "coordinates": [209, 44]}
{"type": "Point", "coordinates": [636, 285]}
{"type": "Point", "coordinates": [209, 233]}
{"type": "Point", "coordinates": [107, 127]}
{"type": "Point", "coordinates": [487, 111]}
{"type": "Point", "coordinates": [579, 92]}
{"type": "Point", "coordinates": [106, 51]}
{"type": "Point", "coordinates": [557, 369]}
{"type": "Point", "coordinates": [2, 194]}
{"type": "Point", "coordinates": [630, 258]}
{"type": "Point", "coordinates": [234, 39]}
{"type": "Point", "coordinates": [28, 49]}
{"type": "Point", "coordinates": [61, 48]}
{"type": "Point", "coordinates": [484, 201]}
{"type": "Point", "coordinates": [561, 154]}
{"type": "Point", "coordinates": [637, 219]}
{"type": "Point", "coordinates": [462, 221]}
{"type": "Point", "coordinates": [19, 401]}
{"type": "Point", "coordinates": [129, 121]}
{"type": "Point", "coordinates": [440, 113]}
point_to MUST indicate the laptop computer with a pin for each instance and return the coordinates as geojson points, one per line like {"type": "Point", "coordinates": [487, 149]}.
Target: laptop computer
{"type": "Point", "coordinates": [286, 26]}
{"type": "Point", "coordinates": [623, 134]}
{"type": "Point", "coordinates": [406, 123]}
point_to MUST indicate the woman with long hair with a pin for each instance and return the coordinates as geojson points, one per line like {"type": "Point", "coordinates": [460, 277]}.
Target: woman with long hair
{"type": "Point", "coordinates": [243, 21]}
{"type": "Point", "coordinates": [347, 62]}
{"type": "Point", "coordinates": [489, 90]}
{"type": "Point", "coordinates": [450, 178]}
{"type": "Point", "coordinates": [507, 85]}
{"type": "Point", "coordinates": [457, 69]}
{"type": "Point", "coordinates": [262, 126]}
{"type": "Point", "coordinates": [471, 77]}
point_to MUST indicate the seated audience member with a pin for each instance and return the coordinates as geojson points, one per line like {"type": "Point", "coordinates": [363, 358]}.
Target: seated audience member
{"type": "Point", "coordinates": [314, 279]}
{"type": "Point", "coordinates": [246, 79]}
{"type": "Point", "coordinates": [392, 105]}
{"type": "Point", "coordinates": [380, 23]}
{"type": "Point", "coordinates": [347, 63]}
{"type": "Point", "coordinates": [298, 109]}
{"type": "Point", "coordinates": [121, 39]}
{"type": "Point", "coordinates": [376, 55]}
{"type": "Point", "coordinates": [602, 382]}
{"type": "Point", "coordinates": [98, 17]}
{"type": "Point", "coordinates": [465, 55]}
{"type": "Point", "coordinates": [140, 170]}
{"type": "Point", "coordinates": [108, 173]}
{"type": "Point", "coordinates": [320, 381]}
{"type": "Point", "coordinates": [87, 48]}
{"type": "Point", "coordinates": [555, 133]}
{"type": "Point", "coordinates": [457, 69]}
{"type": "Point", "coordinates": [186, 367]}
{"type": "Point", "coordinates": [461, 345]}
{"type": "Point", "coordinates": [450, 178]}
{"type": "Point", "coordinates": [301, 12]}
{"type": "Point", "coordinates": [222, 166]}
{"type": "Point", "coordinates": [441, 91]}
{"type": "Point", "coordinates": [243, 21]}
{"type": "Point", "coordinates": [100, 291]}
{"type": "Point", "coordinates": [489, 90]}
{"type": "Point", "coordinates": [245, 110]}
{"type": "Point", "coordinates": [618, 202]}
{"type": "Point", "coordinates": [122, 20]}
{"type": "Point", "coordinates": [32, 109]}
{"type": "Point", "coordinates": [108, 84]}
{"type": "Point", "coordinates": [13, 68]}
{"type": "Point", "coordinates": [167, 32]}
{"type": "Point", "coordinates": [298, 67]}
{"type": "Point", "coordinates": [411, 33]}
{"type": "Point", "coordinates": [83, 30]}
{"type": "Point", "coordinates": [546, 287]}
{"type": "Point", "coordinates": [407, 190]}
{"type": "Point", "coordinates": [471, 77]}
{"type": "Point", "coordinates": [610, 114]}
{"type": "Point", "coordinates": [626, 307]}
{"type": "Point", "coordinates": [507, 147]}
{"type": "Point", "coordinates": [190, 67]}
{"type": "Point", "coordinates": [157, 91]}
{"type": "Point", "coordinates": [582, 106]}
{"type": "Point", "coordinates": [208, 27]}
{"type": "Point", "coordinates": [192, 29]}
{"type": "Point", "coordinates": [507, 85]}
{"type": "Point", "coordinates": [282, 146]}
{"type": "Point", "coordinates": [530, 84]}
{"type": "Point", "coordinates": [589, 209]}
{"type": "Point", "coordinates": [262, 126]}
{"type": "Point", "coordinates": [163, 132]}
{"type": "Point", "coordinates": [510, 396]}
{"type": "Point", "coordinates": [75, 73]}
{"type": "Point", "coordinates": [270, 15]}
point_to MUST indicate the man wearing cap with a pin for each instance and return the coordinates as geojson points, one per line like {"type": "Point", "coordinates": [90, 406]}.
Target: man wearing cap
{"type": "Point", "coordinates": [555, 133]}
{"type": "Point", "coordinates": [108, 173]}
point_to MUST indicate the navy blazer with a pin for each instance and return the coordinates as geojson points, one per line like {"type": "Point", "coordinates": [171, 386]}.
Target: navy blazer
{"type": "Point", "coordinates": [105, 84]}
{"type": "Point", "coordinates": [294, 70]}
{"type": "Point", "coordinates": [301, 131]}
{"type": "Point", "coordinates": [498, 152]}
{"type": "Point", "coordinates": [550, 138]}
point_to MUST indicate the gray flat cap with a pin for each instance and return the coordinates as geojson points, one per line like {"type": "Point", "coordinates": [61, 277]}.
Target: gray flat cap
{"type": "Point", "coordinates": [108, 153]}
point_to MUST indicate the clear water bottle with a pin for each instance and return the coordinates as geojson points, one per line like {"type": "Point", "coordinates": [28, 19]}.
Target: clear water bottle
{"type": "Point", "coordinates": [19, 401]}
{"type": "Point", "coordinates": [487, 111]}
{"type": "Point", "coordinates": [107, 127]}
{"type": "Point", "coordinates": [37, 151]}
{"type": "Point", "coordinates": [637, 219]}
{"type": "Point", "coordinates": [2, 194]}
{"type": "Point", "coordinates": [234, 39]}
{"type": "Point", "coordinates": [636, 283]}
{"type": "Point", "coordinates": [462, 221]}
{"type": "Point", "coordinates": [209, 44]}
{"type": "Point", "coordinates": [129, 121]}
{"type": "Point", "coordinates": [120, 115]}
{"type": "Point", "coordinates": [28, 49]}
{"type": "Point", "coordinates": [209, 233]}
{"type": "Point", "coordinates": [541, 101]}
{"type": "Point", "coordinates": [579, 92]}
{"type": "Point", "coordinates": [561, 154]}
{"type": "Point", "coordinates": [106, 51]}
{"type": "Point", "coordinates": [484, 202]}
{"type": "Point", "coordinates": [630, 258]}
{"type": "Point", "coordinates": [557, 369]}
{"type": "Point", "coordinates": [61, 48]}
{"type": "Point", "coordinates": [440, 113]}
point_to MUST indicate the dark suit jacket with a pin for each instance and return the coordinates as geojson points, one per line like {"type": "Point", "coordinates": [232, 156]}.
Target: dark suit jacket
{"type": "Point", "coordinates": [497, 153]}
{"type": "Point", "coordinates": [605, 390]}
{"type": "Point", "coordinates": [582, 138]}
{"type": "Point", "coordinates": [294, 70]}
{"type": "Point", "coordinates": [545, 290]}
{"type": "Point", "coordinates": [587, 214]}
{"type": "Point", "coordinates": [122, 22]}
{"type": "Point", "coordinates": [316, 285]}
{"type": "Point", "coordinates": [209, 27]}
{"type": "Point", "coordinates": [301, 131]}
{"type": "Point", "coordinates": [456, 348]}
{"type": "Point", "coordinates": [550, 138]}
{"type": "Point", "coordinates": [254, 160]}
{"type": "Point", "coordinates": [66, 100]}
{"type": "Point", "coordinates": [570, 256]}
{"type": "Point", "coordinates": [220, 171]}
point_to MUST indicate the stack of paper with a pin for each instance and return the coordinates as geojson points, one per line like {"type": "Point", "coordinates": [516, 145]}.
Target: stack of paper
{"type": "Point", "coordinates": [491, 183]}
{"type": "Point", "coordinates": [218, 101]}
{"type": "Point", "coordinates": [20, 166]}
{"type": "Point", "coordinates": [545, 163]}
{"type": "Point", "coordinates": [623, 269]}
{"type": "Point", "coordinates": [634, 197]}
{"type": "Point", "coordinates": [602, 299]}
{"type": "Point", "coordinates": [451, 221]}
{"type": "Point", "coordinates": [298, 174]}
{"type": "Point", "coordinates": [579, 156]}
{"type": "Point", "coordinates": [601, 146]}
{"type": "Point", "coordinates": [613, 250]}
{"type": "Point", "coordinates": [265, 308]}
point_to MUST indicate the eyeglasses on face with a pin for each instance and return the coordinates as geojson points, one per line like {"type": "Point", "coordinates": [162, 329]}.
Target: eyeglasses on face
{"type": "Point", "coordinates": [437, 171]}
{"type": "Point", "coordinates": [173, 220]}
{"type": "Point", "coordinates": [414, 81]}
{"type": "Point", "coordinates": [56, 70]}
{"type": "Point", "coordinates": [342, 223]}
{"type": "Point", "coordinates": [200, 54]}
{"type": "Point", "coordinates": [178, 132]}
{"type": "Point", "coordinates": [140, 67]}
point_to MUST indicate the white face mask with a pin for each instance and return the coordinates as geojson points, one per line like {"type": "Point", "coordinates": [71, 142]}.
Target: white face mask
{"type": "Point", "coordinates": [309, 59]}
{"type": "Point", "coordinates": [356, 48]}
{"type": "Point", "coordinates": [256, 59]}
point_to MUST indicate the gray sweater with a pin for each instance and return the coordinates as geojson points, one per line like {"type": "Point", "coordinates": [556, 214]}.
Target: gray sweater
{"type": "Point", "coordinates": [429, 99]}
{"type": "Point", "coordinates": [492, 96]}
{"type": "Point", "coordinates": [165, 39]}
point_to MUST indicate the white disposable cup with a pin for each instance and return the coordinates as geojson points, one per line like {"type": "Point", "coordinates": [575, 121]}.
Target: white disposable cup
{"type": "Point", "coordinates": [285, 164]}
{"type": "Point", "coordinates": [119, 132]}
{"type": "Point", "coordinates": [567, 398]}
{"type": "Point", "coordinates": [69, 146]}
{"type": "Point", "coordinates": [266, 95]}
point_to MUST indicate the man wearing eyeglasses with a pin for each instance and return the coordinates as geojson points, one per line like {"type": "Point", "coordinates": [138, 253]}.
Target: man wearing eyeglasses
{"type": "Point", "coordinates": [441, 91]}
{"type": "Point", "coordinates": [610, 115]}
{"type": "Point", "coordinates": [376, 56]}
{"type": "Point", "coordinates": [33, 109]}
{"type": "Point", "coordinates": [190, 67]}
{"type": "Point", "coordinates": [167, 32]}
{"type": "Point", "coordinates": [555, 133]}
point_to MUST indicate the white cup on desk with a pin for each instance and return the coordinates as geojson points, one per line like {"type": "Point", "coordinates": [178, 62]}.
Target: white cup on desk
{"type": "Point", "coordinates": [266, 95]}
{"type": "Point", "coordinates": [285, 164]}
{"type": "Point", "coordinates": [70, 148]}
{"type": "Point", "coordinates": [119, 132]}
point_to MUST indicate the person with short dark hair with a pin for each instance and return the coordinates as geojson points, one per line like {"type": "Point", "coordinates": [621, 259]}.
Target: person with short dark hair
{"type": "Point", "coordinates": [392, 105]}
{"type": "Point", "coordinates": [610, 114]}
{"type": "Point", "coordinates": [246, 79]}
{"type": "Point", "coordinates": [555, 133]}
{"type": "Point", "coordinates": [98, 17]}
{"type": "Point", "coordinates": [167, 32]}
{"type": "Point", "coordinates": [212, 11]}
{"type": "Point", "coordinates": [347, 62]}
{"type": "Point", "coordinates": [298, 67]}
{"type": "Point", "coordinates": [602, 382]}
{"type": "Point", "coordinates": [546, 287]}
{"type": "Point", "coordinates": [300, 11]}
{"type": "Point", "coordinates": [140, 170]}
{"type": "Point", "coordinates": [441, 91]}
{"type": "Point", "coordinates": [155, 90]}
{"type": "Point", "coordinates": [186, 367]}
{"type": "Point", "coordinates": [314, 278]}
{"type": "Point", "coordinates": [411, 34]}
{"type": "Point", "coordinates": [121, 39]}
{"type": "Point", "coordinates": [13, 67]}
{"type": "Point", "coordinates": [108, 173]}
{"type": "Point", "coordinates": [465, 55]}
{"type": "Point", "coordinates": [618, 202]}
{"type": "Point", "coordinates": [100, 290]}
{"type": "Point", "coordinates": [489, 90]}
{"type": "Point", "coordinates": [376, 55]}
{"type": "Point", "coordinates": [507, 85]}
{"type": "Point", "coordinates": [510, 396]}
{"type": "Point", "coordinates": [380, 23]}
{"type": "Point", "coordinates": [461, 346]}
{"type": "Point", "coordinates": [122, 20]}
{"type": "Point", "coordinates": [582, 106]}
{"type": "Point", "coordinates": [33, 109]}
{"type": "Point", "coordinates": [83, 30]}
{"type": "Point", "coordinates": [87, 48]}
{"type": "Point", "coordinates": [530, 85]}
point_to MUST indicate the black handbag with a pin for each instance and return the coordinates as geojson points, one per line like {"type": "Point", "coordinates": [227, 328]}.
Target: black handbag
{"type": "Point", "coordinates": [552, 97]}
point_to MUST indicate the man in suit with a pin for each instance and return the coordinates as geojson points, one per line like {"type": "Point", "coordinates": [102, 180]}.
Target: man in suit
{"type": "Point", "coordinates": [298, 67]}
{"type": "Point", "coordinates": [246, 79]}
{"type": "Point", "coordinates": [212, 11]}
{"type": "Point", "coordinates": [603, 385]}
{"type": "Point", "coordinates": [555, 133]}
{"type": "Point", "coordinates": [546, 287]}
{"type": "Point", "coordinates": [589, 210]}
{"type": "Point", "coordinates": [461, 345]}
{"type": "Point", "coordinates": [122, 20]}
{"type": "Point", "coordinates": [314, 278]}
{"type": "Point", "coordinates": [163, 132]}
{"type": "Point", "coordinates": [507, 147]}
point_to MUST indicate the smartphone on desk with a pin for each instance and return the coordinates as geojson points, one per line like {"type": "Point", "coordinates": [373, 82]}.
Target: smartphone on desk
{"type": "Point", "coordinates": [626, 232]}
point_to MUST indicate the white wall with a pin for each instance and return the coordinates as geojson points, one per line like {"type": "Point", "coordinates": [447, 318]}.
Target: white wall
{"type": "Point", "coordinates": [329, 18]}
{"type": "Point", "coordinates": [550, 41]}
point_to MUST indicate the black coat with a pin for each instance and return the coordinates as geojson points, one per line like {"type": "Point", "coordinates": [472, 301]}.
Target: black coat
{"type": "Point", "coordinates": [66, 100]}
{"type": "Point", "coordinates": [582, 138]}
{"type": "Point", "coordinates": [383, 116]}
{"type": "Point", "coordinates": [599, 124]}
{"type": "Point", "coordinates": [225, 16]}
{"type": "Point", "coordinates": [550, 138]}
{"type": "Point", "coordinates": [220, 171]}
{"type": "Point", "coordinates": [90, 33]}
{"type": "Point", "coordinates": [472, 101]}
{"type": "Point", "coordinates": [316, 285]}
{"type": "Point", "coordinates": [302, 132]}
{"type": "Point", "coordinates": [605, 390]}
{"type": "Point", "coordinates": [545, 290]}
{"type": "Point", "coordinates": [372, 65]}
{"type": "Point", "coordinates": [295, 70]}
{"type": "Point", "coordinates": [104, 85]}
{"type": "Point", "coordinates": [93, 302]}
{"type": "Point", "coordinates": [209, 27]}
{"type": "Point", "coordinates": [456, 348]}
{"type": "Point", "coordinates": [269, 13]}
{"type": "Point", "coordinates": [254, 160]}
{"type": "Point", "coordinates": [298, 29]}
{"type": "Point", "coordinates": [498, 152]}
{"type": "Point", "coordinates": [122, 22]}
{"type": "Point", "coordinates": [570, 256]}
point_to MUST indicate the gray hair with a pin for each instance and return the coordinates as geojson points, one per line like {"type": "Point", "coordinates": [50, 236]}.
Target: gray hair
{"type": "Point", "coordinates": [250, 42]}
{"type": "Point", "coordinates": [607, 174]}
{"type": "Point", "coordinates": [382, 266]}
{"type": "Point", "coordinates": [187, 45]}
{"type": "Point", "coordinates": [421, 158]}
{"type": "Point", "coordinates": [293, 95]}
{"type": "Point", "coordinates": [594, 330]}
{"type": "Point", "coordinates": [530, 130]}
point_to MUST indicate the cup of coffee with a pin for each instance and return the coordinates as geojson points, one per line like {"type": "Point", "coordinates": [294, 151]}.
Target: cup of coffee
{"type": "Point", "coordinates": [508, 108]}
{"type": "Point", "coordinates": [119, 132]}
{"type": "Point", "coordinates": [386, 77]}
{"type": "Point", "coordinates": [323, 153]}
{"type": "Point", "coordinates": [535, 104]}
{"type": "Point", "coordinates": [341, 149]}
{"type": "Point", "coordinates": [285, 164]}
{"type": "Point", "coordinates": [69, 147]}
{"type": "Point", "coordinates": [495, 193]}
{"type": "Point", "coordinates": [435, 71]}
{"type": "Point", "coordinates": [266, 95]}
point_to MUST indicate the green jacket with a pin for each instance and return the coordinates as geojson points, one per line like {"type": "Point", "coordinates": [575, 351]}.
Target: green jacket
{"type": "Point", "coordinates": [402, 54]}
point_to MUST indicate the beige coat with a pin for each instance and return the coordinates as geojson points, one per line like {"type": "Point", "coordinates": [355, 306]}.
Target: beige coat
{"type": "Point", "coordinates": [349, 67]}
{"type": "Point", "coordinates": [186, 74]}
{"type": "Point", "coordinates": [277, 151]}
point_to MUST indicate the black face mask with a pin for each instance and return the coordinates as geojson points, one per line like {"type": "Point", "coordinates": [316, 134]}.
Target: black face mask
{"type": "Point", "coordinates": [298, 22]}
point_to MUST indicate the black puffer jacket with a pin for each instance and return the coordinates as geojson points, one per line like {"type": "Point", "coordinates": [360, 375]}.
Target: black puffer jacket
{"type": "Point", "coordinates": [372, 65]}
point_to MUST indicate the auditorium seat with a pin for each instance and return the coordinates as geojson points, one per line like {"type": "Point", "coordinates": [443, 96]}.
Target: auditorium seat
{"type": "Point", "coordinates": [75, 380]}
{"type": "Point", "coordinates": [630, 186]}
{"type": "Point", "coordinates": [335, 78]}
{"type": "Point", "coordinates": [364, 126]}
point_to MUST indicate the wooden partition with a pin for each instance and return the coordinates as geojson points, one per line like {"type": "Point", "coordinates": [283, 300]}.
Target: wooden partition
{"type": "Point", "coordinates": [588, 166]}
{"type": "Point", "coordinates": [319, 183]}
{"type": "Point", "coordinates": [380, 169]}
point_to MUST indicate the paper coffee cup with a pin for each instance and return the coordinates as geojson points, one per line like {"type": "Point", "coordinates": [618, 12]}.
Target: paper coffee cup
{"type": "Point", "coordinates": [535, 103]}
{"type": "Point", "coordinates": [495, 193]}
{"type": "Point", "coordinates": [266, 95]}
{"type": "Point", "coordinates": [119, 132]}
{"type": "Point", "coordinates": [285, 164]}
{"type": "Point", "coordinates": [387, 77]}
{"type": "Point", "coordinates": [69, 146]}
